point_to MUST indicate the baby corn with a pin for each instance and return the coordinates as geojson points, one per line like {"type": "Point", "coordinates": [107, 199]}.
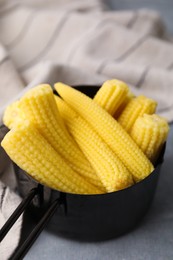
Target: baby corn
{"type": "Point", "coordinates": [135, 108]}
{"type": "Point", "coordinates": [150, 132]}
{"type": "Point", "coordinates": [39, 106]}
{"type": "Point", "coordinates": [109, 130]}
{"type": "Point", "coordinates": [120, 109]}
{"type": "Point", "coordinates": [32, 153]}
{"type": "Point", "coordinates": [108, 167]}
{"type": "Point", "coordinates": [12, 114]}
{"type": "Point", "coordinates": [111, 95]}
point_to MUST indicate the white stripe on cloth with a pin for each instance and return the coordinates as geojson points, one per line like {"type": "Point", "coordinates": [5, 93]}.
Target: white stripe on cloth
{"type": "Point", "coordinates": [8, 203]}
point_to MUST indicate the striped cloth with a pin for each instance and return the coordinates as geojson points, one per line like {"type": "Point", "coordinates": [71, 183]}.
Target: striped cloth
{"type": "Point", "coordinates": [78, 42]}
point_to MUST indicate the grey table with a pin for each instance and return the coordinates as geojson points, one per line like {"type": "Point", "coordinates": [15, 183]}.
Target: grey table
{"type": "Point", "coordinates": [153, 239]}
{"type": "Point", "coordinates": [165, 7]}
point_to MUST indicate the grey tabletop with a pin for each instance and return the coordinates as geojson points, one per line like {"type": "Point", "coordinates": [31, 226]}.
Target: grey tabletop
{"type": "Point", "coordinates": [164, 7]}
{"type": "Point", "coordinates": [153, 238]}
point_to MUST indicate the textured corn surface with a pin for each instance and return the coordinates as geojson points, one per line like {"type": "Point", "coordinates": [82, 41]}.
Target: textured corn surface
{"type": "Point", "coordinates": [40, 108]}
{"type": "Point", "coordinates": [92, 178]}
{"type": "Point", "coordinates": [111, 95]}
{"type": "Point", "coordinates": [135, 108]}
{"type": "Point", "coordinates": [120, 109]}
{"type": "Point", "coordinates": [32, 153]}
{"type": "Point", "coordinates": [109, 130]}
{"type": "Point", "coordinates": [150, 132]}
{"type": "Point", "coordinates": [12, 114]}
{"type": "Point", "coordinates": [107, 165]}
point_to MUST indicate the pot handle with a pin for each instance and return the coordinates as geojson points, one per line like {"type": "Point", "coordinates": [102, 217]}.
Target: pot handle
{"type": "Point", "coordinates": [23, 249]}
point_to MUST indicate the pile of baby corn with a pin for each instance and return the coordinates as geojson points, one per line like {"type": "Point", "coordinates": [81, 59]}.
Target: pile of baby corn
{"type": "Point", "coordinates": [80, 145]}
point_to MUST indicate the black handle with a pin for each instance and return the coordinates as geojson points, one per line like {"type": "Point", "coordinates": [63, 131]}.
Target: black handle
{"type": "Point", "coordinates": [21, 252]}
{"type": "Point", "coordinates": [18, 211]}
{"type": "Point", "coordinates": [23, 249]}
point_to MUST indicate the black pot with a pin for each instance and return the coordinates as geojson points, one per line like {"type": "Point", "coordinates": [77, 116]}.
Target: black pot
{"type": "Point", "coordinates": [94, 217]}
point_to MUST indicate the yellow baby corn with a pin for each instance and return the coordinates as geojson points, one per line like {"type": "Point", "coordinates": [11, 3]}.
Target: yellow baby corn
{"type": "Point", "coordinates": [111, 95]}
{"type": "Point", "coordinates": [109, 130]}
{"type": "Point", "coordinates": [135, 108]}
{"type": "Point", "coordinates": [120, 109]}
{"type": "Point", "coordinates": [12, 114]}
{"type": "Point", "coordinates": [107, 165]}
{"type": "Point", "coordinates": [32, 153]}
{"type": "Point", "coordinates": [40, 108]}
{"type": "Point", "coordinates": [150, 132]}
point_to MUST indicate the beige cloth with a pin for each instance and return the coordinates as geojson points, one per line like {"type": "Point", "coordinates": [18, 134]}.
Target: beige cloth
{"type": "Point", "coordinates": [80, 42]}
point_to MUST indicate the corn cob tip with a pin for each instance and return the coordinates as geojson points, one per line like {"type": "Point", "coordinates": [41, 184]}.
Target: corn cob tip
{"type": "Point", "coordinates": [38, 90]}
{"type": "Point", "coordinates": [11, 114]}
{"type": "Point", "coordinates": [136, 107]}
{"type": "Point", "coordinates": [150, 133]}
{"type": "Point", "coordinates": [111, 95]}
{"type": "Point", "coordinates": [156, 120]}
{"type": "Point", "coordinates": [116, 82]}
{"type": "Point", "coordinates": [59, 85]}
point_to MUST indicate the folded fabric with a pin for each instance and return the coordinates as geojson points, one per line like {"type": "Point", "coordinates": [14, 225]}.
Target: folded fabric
{"type": "Point", "coordinates": [78, 42]}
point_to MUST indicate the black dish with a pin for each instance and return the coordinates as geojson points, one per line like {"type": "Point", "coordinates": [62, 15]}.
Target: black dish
{"type": "Point", "coordinates": [93, 217]}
